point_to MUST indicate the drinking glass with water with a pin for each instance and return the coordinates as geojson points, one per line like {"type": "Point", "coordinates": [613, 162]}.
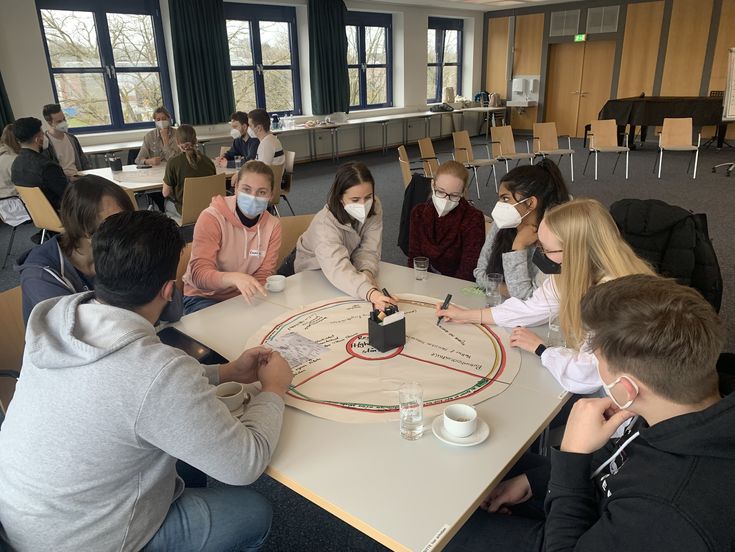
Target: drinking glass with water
{"type": "Point", "coordinates": [554, 336]}
{"type": "Point", "coordinates": [411, 407]}
{"type": "Point", "coordinates": [492, 291]}
{"type": "Point", "coordinates": [421, 267]}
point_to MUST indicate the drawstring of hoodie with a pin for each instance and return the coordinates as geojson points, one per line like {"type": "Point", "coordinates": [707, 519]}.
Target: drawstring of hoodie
{"type": "Point", "coordinates": [617, 453]}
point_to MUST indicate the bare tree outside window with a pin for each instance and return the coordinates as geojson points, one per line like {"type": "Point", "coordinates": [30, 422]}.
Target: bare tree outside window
{"type": "Point", "coordinates": [367, 60]}
{"type": "Point", "coordinates": [73, 43]}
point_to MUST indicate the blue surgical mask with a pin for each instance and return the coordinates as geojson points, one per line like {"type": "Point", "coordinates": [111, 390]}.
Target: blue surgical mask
{"type": "Point", "coordinates": [251, 206]}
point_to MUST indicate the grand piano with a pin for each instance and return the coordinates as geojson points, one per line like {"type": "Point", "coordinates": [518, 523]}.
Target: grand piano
{"type": "Point", "coordinates": [648, 111]}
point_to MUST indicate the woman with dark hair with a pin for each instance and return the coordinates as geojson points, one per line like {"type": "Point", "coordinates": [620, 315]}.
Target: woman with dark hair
{"type": "Point", "coordinates": [187, 164]}
{"type": "Point", "coordinates": [525, 194]}
{"type": "Point", "coordinates": [64, 265]}
{"type": "Point", "coordinates": [344, 238]}
{"type": "Point", "coordinates": [158, 145]}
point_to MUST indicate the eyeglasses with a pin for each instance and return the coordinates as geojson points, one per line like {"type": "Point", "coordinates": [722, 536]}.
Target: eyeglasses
{"type": "Point", "coordinates": [545, 251]}
{"type": "Point", "coordinates": [444, 195]}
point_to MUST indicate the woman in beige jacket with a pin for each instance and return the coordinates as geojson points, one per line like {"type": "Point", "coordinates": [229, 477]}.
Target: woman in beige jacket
{"type": "Point", "coordinates": [344, 239]}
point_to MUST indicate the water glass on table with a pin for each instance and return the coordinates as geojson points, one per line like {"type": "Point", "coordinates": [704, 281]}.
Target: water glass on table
{"type": "Point", "coordinates": [238, 162]}
{"type": "Point", "coordinates": [411, 408]}
{"type": "Point", "coordinates": [554, 335]}
{"type": "Point", "coordinates": [492, 291]}
{"type": "Point", "coordinates": [421, 267]}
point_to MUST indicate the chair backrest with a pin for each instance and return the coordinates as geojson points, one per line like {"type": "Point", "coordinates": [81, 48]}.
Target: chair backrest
{"type": "Point", "coordinates": [676, 132]}
{"type": "Point", "coordinates": [131, 195]}
{"type": "Point", "coordinates": [504, 135]}
{"type": "Point", "coordinates": [405, 165]}
{"type": "Point", "coordinates": [462, 147]}
{"type": "Point", "coordinates": [42, 213]}
{"type": "Point", "coordinates": [428, 156]}
{"type": "Point", "coordinates": [288, 171]}
{"type": "Point", "coordinates": [291, 229]}
{"type": "Point", "coordinates": [198, 194]}
{"type": "Point", "coordinates": [548, 139]}
{"type": "Point", "coordinates": [223, 150]}
{"type": "Point", "coordinates": [183, 265]}
{"type": "Point", "coordinates": [604, 134]}
{"type": "Point", "coordinates": [12, 340]}
{"type": "Point", "coordinates": [277, 177]}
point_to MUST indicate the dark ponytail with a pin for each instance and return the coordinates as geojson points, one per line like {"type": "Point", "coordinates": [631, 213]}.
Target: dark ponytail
{"type": "Point", "coordinates": [542, 181]}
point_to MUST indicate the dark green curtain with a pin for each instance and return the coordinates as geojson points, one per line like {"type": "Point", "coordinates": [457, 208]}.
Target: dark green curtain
{"type": "Point", "coordinates": [6, 114]}
{"type": "Point", "coordinates": [202, 61]}
{"type": "Point", "coordinates": [330, 83]}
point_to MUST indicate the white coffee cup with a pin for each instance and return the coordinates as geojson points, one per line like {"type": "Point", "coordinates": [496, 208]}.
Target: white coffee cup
{"type": "Point", "coordinates": [275, 283]}
{"type": "Point", "coordinates": [232, 394]}
{"type": "Point", "coordinates": [460, 420]}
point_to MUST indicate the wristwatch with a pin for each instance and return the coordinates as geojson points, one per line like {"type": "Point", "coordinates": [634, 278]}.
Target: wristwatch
{"type": "Point", "coordinates": [540, 349]}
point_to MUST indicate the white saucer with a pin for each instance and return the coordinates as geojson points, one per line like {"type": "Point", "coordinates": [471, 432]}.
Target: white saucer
{"type": "Point", "coordinates": [239, 412]}
{"type": "Point", "coordinates": [481, 433]}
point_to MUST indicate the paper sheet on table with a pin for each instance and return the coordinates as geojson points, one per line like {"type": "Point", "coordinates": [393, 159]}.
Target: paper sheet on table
{"type": "Point", "coordinates": [297, 349]}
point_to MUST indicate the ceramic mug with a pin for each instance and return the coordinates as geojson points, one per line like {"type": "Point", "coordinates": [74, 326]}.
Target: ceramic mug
{"type": "Point", "coordinates": [275, 283]}
{"type": "Point", "coordinates": [460, 420]}
{"type": "Point", "coordinates": [232, 394]}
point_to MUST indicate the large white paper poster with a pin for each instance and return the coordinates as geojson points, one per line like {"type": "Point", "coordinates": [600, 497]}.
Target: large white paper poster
{"type": "Point", "coordinates": [339, 376]}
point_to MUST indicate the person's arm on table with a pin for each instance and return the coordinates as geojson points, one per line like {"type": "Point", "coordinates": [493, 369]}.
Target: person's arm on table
{"type": "Point", "coordinates": [480, 272]}
{"type": "Point", "coordinates": [169, 180]}
{"type": "Point", "coordinates": [367, 255]}
{"type": "Point", "coordinates": [144, 152]}
{"type": "Point", "coordinates": [181, 415]}
{"type": "Point", "coordinates": [268, 266]}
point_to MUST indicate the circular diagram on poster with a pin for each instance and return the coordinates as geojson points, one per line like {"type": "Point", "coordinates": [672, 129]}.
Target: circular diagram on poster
{"type": "Point", "coordinates": [338, 375]}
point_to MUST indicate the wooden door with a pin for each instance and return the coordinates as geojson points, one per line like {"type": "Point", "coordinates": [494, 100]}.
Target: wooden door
{"type": "Point", "coordinates": [564, 75]}
{"type": "Point", "coordinates": [597, 69]}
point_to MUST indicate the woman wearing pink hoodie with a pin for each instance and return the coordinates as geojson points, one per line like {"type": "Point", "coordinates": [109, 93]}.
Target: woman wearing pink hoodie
{"type": "Point", "coordinates": [236, 242]}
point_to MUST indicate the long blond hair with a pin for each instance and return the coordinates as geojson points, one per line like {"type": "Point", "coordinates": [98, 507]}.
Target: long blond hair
{"type": "Point", "coordinates": [593, 251]}
{"type": "Point", "coordinates": [186, 138]}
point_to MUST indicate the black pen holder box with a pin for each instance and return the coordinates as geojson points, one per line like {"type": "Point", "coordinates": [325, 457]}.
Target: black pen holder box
{"type": "Point", "coordinates": [385, 337]}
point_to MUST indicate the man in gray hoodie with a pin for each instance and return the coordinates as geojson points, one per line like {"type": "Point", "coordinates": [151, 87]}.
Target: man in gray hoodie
{"type": "Point", "coordinates": [103, 409]}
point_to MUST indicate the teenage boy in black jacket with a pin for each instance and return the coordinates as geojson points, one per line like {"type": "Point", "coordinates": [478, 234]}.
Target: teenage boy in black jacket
{"type": "Point", "coordinates": [666, 484]}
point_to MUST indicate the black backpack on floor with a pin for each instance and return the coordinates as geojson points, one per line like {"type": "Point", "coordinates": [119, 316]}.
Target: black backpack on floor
{"type": "Point", "coordinates": [674, 241]}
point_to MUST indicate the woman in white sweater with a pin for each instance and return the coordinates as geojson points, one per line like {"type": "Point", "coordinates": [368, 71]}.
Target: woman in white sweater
{"type": "Point", "coordinates": [579, 246]}
{"type": "Point", "coordinates": [344, 239]}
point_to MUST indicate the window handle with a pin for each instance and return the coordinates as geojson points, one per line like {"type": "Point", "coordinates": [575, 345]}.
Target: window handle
{"type": "Point", "coordinates": [113, 73]}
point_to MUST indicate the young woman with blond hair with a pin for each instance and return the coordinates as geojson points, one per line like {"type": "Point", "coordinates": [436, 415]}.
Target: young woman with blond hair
{"type": "Point", "coordinates": [579, 246]}
{"type": "Point", "coordinates": [187, 164]}
{"type": "Point", "coordinates": [447, 229]}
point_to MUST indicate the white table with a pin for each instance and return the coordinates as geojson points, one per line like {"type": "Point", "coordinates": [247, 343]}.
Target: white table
{"type": "Point", "coordinates": [142, 180]}
{"type": "Point", "coordinates": [488, 113]}
{"type": "Point", "coordinates": [404, 494]}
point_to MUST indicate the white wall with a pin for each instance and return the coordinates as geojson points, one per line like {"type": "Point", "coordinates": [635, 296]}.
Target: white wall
{"type": "Point", "coordinates": [25, 71]}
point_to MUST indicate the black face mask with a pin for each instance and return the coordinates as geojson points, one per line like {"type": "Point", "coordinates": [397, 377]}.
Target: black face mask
{"type": "Point", "coordinates": [544, 264]}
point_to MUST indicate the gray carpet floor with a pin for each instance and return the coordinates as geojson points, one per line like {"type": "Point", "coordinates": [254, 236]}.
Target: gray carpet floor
{"type": "Point", "coordinates": [300, 525]}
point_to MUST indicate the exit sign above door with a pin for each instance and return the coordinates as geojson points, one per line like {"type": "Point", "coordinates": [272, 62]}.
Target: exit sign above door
{"type": "Point", "coordinates": [580, 38]}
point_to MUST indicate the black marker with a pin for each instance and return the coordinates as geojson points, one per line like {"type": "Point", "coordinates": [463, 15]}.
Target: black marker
{"type": "Point", "coordinates": [444, 306]}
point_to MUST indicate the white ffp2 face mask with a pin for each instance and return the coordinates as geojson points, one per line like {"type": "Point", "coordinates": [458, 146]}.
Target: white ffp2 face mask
{"type": "Point", "coordinates": [608, 387]}
{"type": "Point", "coordinates": [164, 123]}
{"type": "Point", "coordinates": [359, 211]}
{"type": "Point", "coordinates": [63, 126]}
{"type": "Point", "coordinates": [443, 205]}
{"type": "Point", "coordinates": [235, 134]}
{"type": "Point", "coordinates": [505, 215]}
{"type": "Point", "coordinates": [252, 133]}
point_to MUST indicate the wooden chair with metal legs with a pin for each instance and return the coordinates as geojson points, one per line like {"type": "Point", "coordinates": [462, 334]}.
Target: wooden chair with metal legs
{"type": "Point", "coordinates": [43, 215]}
{"type": "Point", "coordinates": [183, 265]}
{"type": "Point", "coordinates": [604, 139]}
{"type": "Point", "coordinates": [428, 157]}
{"type": "Point", "coordinates": [676, 135]}
{"type": "Point", "coordinates": [12, 341]}
{"type": "Point", "coordinates": [198, 194]}
{"type": "Point", "coordinates": [288, 177]}
{"type": "Point", "coordinates": [291, 230]}
{"type": "Point", "coordinates": [504, 146]}
{"type": "Point", "coordinates": [463, 153]}
{"type": "Point", "coordinates": [546, 143]}
{"type": "Point", "coordinates": [406, 165]}
{"type": "Point", "coordinates": [277, 177]}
